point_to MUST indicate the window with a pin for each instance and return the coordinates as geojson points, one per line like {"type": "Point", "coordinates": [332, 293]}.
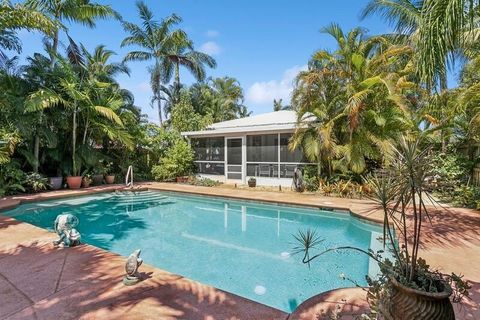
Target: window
{"type": "Point", "coordinates": [209, 149]}
{"type": "Point", "coordinates": [210, 168]}
{"type": "Point", "coordinates": [289, 156]}
{"type": "Point", "coordinates": [262, 148]}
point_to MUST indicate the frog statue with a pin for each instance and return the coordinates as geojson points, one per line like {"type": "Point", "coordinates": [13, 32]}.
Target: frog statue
{"type": "Point", "coordinates": [131, 268]}
{"type": "Point", "coordinates": [65, 227]}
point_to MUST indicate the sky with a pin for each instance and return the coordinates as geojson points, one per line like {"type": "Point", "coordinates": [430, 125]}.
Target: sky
{"type": "Point", "coordinates": [261, 43]}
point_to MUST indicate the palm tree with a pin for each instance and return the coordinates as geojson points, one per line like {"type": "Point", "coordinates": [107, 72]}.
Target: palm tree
{"type": "Point", "coordinates": [180, 52]}
{"type": "Point", "coordinates": [352, 100]}
{"type": "Point", "coordinates": [171, 96]}
{"type": "Point", "coordinates": [278, 105]}
{"type": "Point", "coordinates": [153, 38]}
{"type": "Point", "coordinates": [18, 16]}
{"type": "Point", "coordinates": [79, 11]}
{"type": "Point", "coordinates": [410, 22]}
{"type": "Point", "coordinates": [228, 99]}
{"type": "Point", "coordinates": [444, 32]}
{"type": "Point", "coordinates": [80, 89]}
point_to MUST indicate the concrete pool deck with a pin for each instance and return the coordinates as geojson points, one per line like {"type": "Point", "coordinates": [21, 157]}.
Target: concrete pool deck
{"type": "Point", "coordinates": [39, 281]}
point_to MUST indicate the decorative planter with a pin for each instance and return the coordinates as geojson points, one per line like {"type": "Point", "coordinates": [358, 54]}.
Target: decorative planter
{"type": "Point", "coordinates": [85, 183]}
{"type": "Point", "coordinates": [55, 183]}
{"type": "Point", "coordinates": [74, 182]}
{"type": "Point", "coordinates": [183, 179]}
{"type": "Point", "coordinates": [252, 183]}
{"type": "Point", "coordinates": [109, 179]}
{"type": "Point", "coordinates": [97, 179]}
{"type": "Point", "coordinates": [407, 303]}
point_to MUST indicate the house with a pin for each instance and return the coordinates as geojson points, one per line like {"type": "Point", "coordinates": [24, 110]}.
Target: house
{"type": "Point", "coordinates": [257, 146]}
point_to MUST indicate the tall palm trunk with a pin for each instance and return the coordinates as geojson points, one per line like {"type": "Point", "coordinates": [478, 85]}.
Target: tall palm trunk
{"type": "Point", "coordinates": [54, 49]}
{"type": "Point", "coordinates": [36, 146]}
{"type": "Point", "coordinates": [157, 93]}
{"type": "Point", "coordinates": [36, 153]}
{"type": "Point", "coordinates": [159, 105]}
{"type": "Point", "coordinates": [85, 132]}
{"type": "Point", "coordinates": [443, 107]}
{"type": "Point", "coordinates": [177, 75]}
{"type": "Point", "coordinates": [74, 142]}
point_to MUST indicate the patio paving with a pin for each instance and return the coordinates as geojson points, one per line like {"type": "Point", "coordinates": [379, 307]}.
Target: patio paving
{"type": "Point", "coordinates": [38, 281]}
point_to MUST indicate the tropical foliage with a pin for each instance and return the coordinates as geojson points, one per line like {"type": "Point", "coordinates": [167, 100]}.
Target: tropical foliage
{"type": "Point", "coordinates": [64, 113]}
{"type": "Point", "coordinates": [355, 101]}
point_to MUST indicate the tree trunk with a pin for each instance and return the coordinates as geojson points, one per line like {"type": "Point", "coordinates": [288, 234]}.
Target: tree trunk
{"type": "Point", "coordinates": [159, 105]}
{"type": "Point", "coordinates": [177, 75]}
{"type": "Point", "coordinates": [74, 141]}
{"type": "Point", "coordinates": [85, 133]}
{"type": "Point", "coordinates": [443, 108]}
{"type": "Point", "coordinates": [53, 57]}
{"type": "Point", "coordinates": [36, 153]}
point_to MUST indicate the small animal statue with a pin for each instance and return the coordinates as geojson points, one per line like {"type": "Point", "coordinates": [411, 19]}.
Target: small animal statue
{"type": "Point", "coordinates": [298, 183]}
{"type": "Point", "coordinates": [131, 268]}
{"type": "Point", "coordinates": [65, 227]}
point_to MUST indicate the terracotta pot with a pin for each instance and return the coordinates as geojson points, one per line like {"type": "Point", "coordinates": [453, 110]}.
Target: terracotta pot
{"type": "Point", "coordinates": [183, 179]}
{"type": "Point", "coordinates": [85, 183]}
{"type": "Point", "coordinates": [407, 303]}
{"type": "Point", "coordinates": [109, 179]}
{"type": "Point", "coordinates": [74, 182]}
{"type": "Point", "coordinates": [97, 179]}
{"type": "Point", "coordinates": [55, 183]}
{"type": "Point", "coordinates": [252, 184]}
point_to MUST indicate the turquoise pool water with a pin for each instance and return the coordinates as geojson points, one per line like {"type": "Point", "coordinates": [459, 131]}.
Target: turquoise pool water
{"type": "Point", "coordinates": [241, 247]}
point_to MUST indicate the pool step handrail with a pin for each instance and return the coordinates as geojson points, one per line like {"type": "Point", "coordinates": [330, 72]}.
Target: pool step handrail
{"type": "Point", "coordinates": [129, 175]}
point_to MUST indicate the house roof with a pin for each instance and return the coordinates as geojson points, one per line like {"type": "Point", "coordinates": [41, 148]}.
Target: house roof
{"type": "Point", "coordinates": [284, 120]}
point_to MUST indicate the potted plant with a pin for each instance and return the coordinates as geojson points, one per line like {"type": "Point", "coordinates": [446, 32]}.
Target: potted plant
{"type": "Point", "coordinates": [74, 180]}
{"type": "Point", "coordinates": [87, 180]}
{"type": "Point", "coordinates": [407, 287]}
{"type": "Point", "coordinates": [182, 179]}
{"type": "Point", "coordinates": [109, 176]}
{"type": "Point", "coordinates": [55, 182]}
{"type": "Point", "coordinates": [252, 182]}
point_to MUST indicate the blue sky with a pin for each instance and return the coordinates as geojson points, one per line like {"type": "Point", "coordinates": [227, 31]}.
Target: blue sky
{"type": "Point", "coordinates": [262, 43]}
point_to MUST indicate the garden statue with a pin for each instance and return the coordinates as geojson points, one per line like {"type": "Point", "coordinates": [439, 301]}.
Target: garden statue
{"type": "Point", "coordinates": [131, 267]}
{"type": "Point", "coordinates": [298, 183]}
{"type": "Point", "coordinates": [65, 227]}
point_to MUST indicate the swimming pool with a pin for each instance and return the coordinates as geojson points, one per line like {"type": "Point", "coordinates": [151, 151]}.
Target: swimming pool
{"type": "Point", "coordinates": [242, 247]}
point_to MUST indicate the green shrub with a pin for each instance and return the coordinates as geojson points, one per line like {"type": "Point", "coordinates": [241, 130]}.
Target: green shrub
{"type": "Point", "coordinates": [34, 182]}
{"type": "Point", "coordinates": [465, 196]}
{"type": "Point", "coordinates": [451, 169]}
{"type": "Point", "coordinates": [311, 178]}
{"type": "Point", "coordinates": [178, 161]}
{"type": "Point", "coordinates": [204, 182]}
{"type": "Point", "coordinates": [11, 179]}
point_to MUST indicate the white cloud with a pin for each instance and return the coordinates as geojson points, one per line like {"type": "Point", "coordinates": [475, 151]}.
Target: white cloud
{"type": "Point", "coordinates": [265, 91]}
{"type": "Point", "coordinates": [211, 48]}
{"type": "Point", "coordinates": [212, 33]}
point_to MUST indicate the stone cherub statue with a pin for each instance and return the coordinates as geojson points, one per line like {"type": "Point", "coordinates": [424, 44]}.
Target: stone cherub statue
{"type": "Point", "coordinates": [131, 267]}
{"type": "Point", "coordinates": [65, 227]}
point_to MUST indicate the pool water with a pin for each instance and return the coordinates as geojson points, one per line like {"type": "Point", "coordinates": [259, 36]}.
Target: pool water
{"type": "Point", "coordinates": [242, 247]}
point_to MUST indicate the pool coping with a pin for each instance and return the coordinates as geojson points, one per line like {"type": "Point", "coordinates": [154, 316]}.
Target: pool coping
{"type": "Point", "coordinates": [10, 203]}
{"type": "Point", "coordinates": [364, 215]}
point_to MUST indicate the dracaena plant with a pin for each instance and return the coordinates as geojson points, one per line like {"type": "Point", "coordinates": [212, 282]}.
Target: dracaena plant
{"type": "Point", "coordinates": [400, 191]}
